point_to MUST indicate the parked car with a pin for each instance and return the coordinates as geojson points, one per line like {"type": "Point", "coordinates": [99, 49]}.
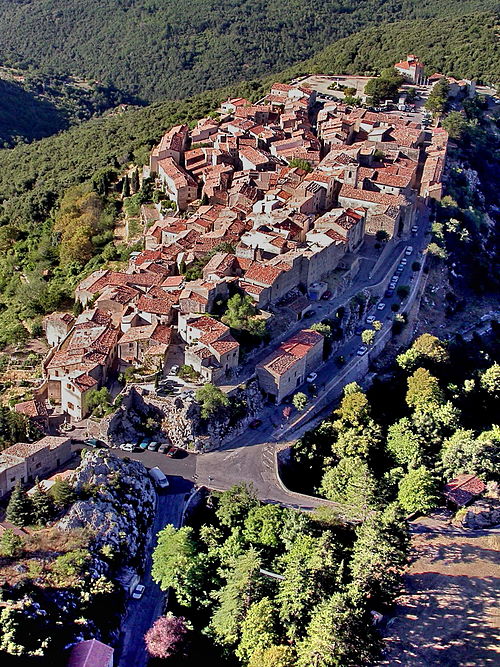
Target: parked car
{"type": "Point", "coordinates": [404, 261]}
{"type": "Point", "coordinates": [311, 377]}
{"type": "Point", "coordinates": [359, 330]}
{"type": "Point", "coordinates": [153, 446]}
{"type": "Point", "coordinates": [309, 313]}
{"type": "Point", "coordinates": [144, 444]}
{"type": "Point", "coordinates": [138, 592]}
{"type": "Point", "coordinates": [172, 452]}
{"type": "Point", "coordinates": [174, 370]}
{"type": "Point", "coordinates": [128, 447]}
{"type": "Point", "coordinates": [163, 448]}
{"type": "Point", "coordinates": [381, 306]}
{"type": "Point", "coordinates": [159, 478]}
{"type": "Point", "coordinates": [370, 319]}
{"type": "Point", "coordinates": [389, 292]}
{"type": "Point", "coordinates": [409, 250]}
{"type": "Point", "coordinates": [400, 269]}
{"type": "Point", "coordinates": [362, 350]}
{"type": "Point", "coordinates": [255, 423]}
{"type": "Point", "coordinates": [93, 442]}
{"type": "Point", "coordinates": [327, 295]}
{"type": "Point", "coordinates": [414, 229]}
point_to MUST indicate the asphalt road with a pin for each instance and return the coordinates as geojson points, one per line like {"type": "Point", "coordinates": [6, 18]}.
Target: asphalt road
{"type": "Point", "coordinates": [142, 613]}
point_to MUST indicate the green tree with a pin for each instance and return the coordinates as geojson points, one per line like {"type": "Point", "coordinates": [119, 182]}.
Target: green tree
{"type": "Point", "coordinates": [427, 350]}
{"type": "Point", "coordinates": [11, 545]}
{"type": "Point", "coordinates": [455, 124]}
{"type": "Point", "coordinates": [377, 325]}
{"type": "Point", "coordinates": [368, 336]}
{"type": "Point", "coordinates": [423, 390]}
{"type": "Point", "coordinates": [236, 597]}
{"type": "Point", "coordinates": [299, 163]}
{"type": "Point", "coordinates": [404, 444]}
{"type": "Point", "coordinates": [463, 453]}
{"type": "Point", "coordinates": [175, 563]}
{"type": "Point", "coordinates": [403, 291]}
{"type": "Point", "coordinates": [490, 379]}
{"type": "Point", "coordinates": [322, 328]}
{"type": "Point", "coordinates": [97, 401]}
{"type": "Point", "coordinates": [273, 656]}
{"type": "Point", "coordinates": [264, 525]}
{"type": "Point", "coordinates": [241, 315]}
{"type": "Point", "coordinates": [384, 87]}
{"type": "Point", "coordinates": [63, 493]}
{"type": "Point", "coordinates": [339, 634]}
{"type": "Point", "coordinates": [258, 631]}
{"type": "Point", "coordinates": [42, 506]}
{"type": "Point", "coordinates": [299, 401]}
{"type": "Point", "coordinates": [235, 504]}
{"type": "Point", "coordinates": [418, 491]}
{"type": "Point", "coordinates": [379, 556]}
{"type": "Point", "coordinates": [350, 483]}
{"type": "Point", "coordinates": [211, 400]}
{"type": "Point", "coordinates": [134, 181]}
{"type": "Point", "coordinates": [125, 186]}
{"type": "Point", "coordinates": [19, 510]}
{"type": "Point", "coordinates": [438, 97]}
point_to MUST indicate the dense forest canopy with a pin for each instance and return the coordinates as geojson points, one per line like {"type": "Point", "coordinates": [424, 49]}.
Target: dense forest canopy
{"type": "Point", "coordinates": [157, 48]}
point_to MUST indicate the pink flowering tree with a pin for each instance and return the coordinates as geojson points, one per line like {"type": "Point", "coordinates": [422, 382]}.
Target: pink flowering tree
{"type": "Point", "coordinates": [166, 636]}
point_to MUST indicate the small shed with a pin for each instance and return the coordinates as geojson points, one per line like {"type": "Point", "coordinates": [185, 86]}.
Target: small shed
{"type": "Point", "coordinates": [463, 490]}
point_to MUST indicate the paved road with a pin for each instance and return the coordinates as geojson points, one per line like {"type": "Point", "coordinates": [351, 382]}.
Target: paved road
{"type": "Point", "coordinates": [141, 614]}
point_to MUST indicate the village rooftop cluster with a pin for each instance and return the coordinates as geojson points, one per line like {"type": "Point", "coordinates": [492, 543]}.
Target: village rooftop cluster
{"type": "Point", "coordinates": [273, 201]}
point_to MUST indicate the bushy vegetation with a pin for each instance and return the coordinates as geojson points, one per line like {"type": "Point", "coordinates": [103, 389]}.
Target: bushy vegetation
{"type": "Point", "coordinates": [462, 46]}
{"type": "Point", "coordinates": [265, 585]}
{"type": "Point", "coordinates": [159, 49]}
{"type": "Point", "coordinates": [429, 418]}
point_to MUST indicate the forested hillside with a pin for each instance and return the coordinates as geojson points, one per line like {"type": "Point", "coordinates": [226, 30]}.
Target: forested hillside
{"type": "Point", "coordinates": [466, 47]}
{"type": "Point", "coordinates": [158, 48]}
{"type": "Point", "coordinates": [33, 106]}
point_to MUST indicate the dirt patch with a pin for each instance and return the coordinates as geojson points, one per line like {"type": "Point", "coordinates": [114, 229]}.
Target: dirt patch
{"type": "Point", "coordinates": [449, 614]}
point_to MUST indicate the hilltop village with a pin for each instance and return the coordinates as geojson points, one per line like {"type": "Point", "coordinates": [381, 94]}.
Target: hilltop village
{"type": "Point", "coordinates": [264, 203]}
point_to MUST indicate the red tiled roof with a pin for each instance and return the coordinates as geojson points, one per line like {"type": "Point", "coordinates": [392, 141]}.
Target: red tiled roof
{"type": "Point", "coordinates": [464, 489]}
{"type": "Point", "coordinates": [90, 653]}
{"type": "Point", "coordinates": [263, 274]}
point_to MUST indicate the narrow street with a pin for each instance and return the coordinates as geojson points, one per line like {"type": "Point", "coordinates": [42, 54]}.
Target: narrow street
{"type": "Point", "coordinates": [142, 613]}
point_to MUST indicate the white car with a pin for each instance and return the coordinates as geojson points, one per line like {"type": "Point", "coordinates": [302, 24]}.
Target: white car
{"type": "Point", "coordinates": [174, 370]}
{"type": "Point", "coordinates": [138, 592]}
{"type": "Point", "coordinates": [362, 350]}
{"type": "Point", "coordinates": [404, 261]}
{"type": "Point", "coordinates": [127, 447]}
{"type": "Point", "coordinates": [370, 319]}
{"type": "Point", "coordinates": [381, 306]}
{"type": "Point", "coordinates": [311, 377]}
{"type": "Point", "coordinates": [409, 250]}
{"type": "Point", "coordinates": [414, 229]}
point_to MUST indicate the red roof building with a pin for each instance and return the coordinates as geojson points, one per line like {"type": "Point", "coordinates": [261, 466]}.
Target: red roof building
{"type": "Point", "coordinates": [91, 653]}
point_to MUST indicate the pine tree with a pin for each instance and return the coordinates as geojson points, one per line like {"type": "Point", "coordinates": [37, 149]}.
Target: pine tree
{"type": "Point", "coordinates": [126, 186]}
{"type": "Point", "coordinates": [63, 493]}
{"type": "Point", "coordinates": [43, 506]}
{"type": "Point", "coordinates": [134, 183]}
{"type": "Point", "coordinates": [19, 509]}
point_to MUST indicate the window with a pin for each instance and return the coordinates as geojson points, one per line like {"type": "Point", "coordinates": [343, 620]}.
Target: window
{"type": "Point", "coordinates": [70, 406]}
{"type": "Point", "coordinates": [12, 479]}
{"type": "Point", "coordinates": [38, 465]}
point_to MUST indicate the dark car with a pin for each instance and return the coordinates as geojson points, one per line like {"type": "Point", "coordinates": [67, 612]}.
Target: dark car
{"type": "Point", "coordinates": [92, 442]}
{"type": "Point", "coordinates": [172, 452]}
{"type": "Point", "coordinates": [255, 423]}
{"type": "Point", "coordinates": [309, 313]}
{"type": "Point", "coordinates": [359, 330]}
{"type": "Point", "coordinates": [389, 293]}
{"type": "Point", "coordinates": [327, 295]}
